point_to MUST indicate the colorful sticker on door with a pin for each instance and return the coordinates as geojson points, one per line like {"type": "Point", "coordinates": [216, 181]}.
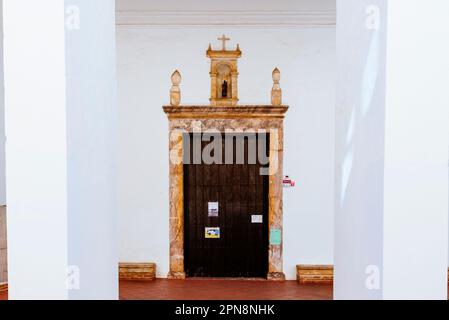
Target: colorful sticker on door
{"type": "Point", "coordinates": [213, 209]}
{"type": "Point", "coordinates": [212, 233]}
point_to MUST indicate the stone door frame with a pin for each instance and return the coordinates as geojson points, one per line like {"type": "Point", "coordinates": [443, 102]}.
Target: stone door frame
{"type": "Point", "coordinates": [188, 119]}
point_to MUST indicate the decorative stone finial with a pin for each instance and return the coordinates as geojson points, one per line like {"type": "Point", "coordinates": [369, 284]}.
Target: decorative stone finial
{"type": "Point", "coordinates": [276, 92]}
{"type": "Point", "coordinates": [175, 91]}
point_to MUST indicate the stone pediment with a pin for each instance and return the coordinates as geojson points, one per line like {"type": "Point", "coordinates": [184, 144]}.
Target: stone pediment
{"type": "Point", "coordinates": [224, 83]}
{"type": "Point", "coordinates": [226, 112]}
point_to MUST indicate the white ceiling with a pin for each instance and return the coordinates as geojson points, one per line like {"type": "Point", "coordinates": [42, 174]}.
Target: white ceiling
{"type": "Point", "coordinates": [226, 12]}
{"type": "Point", "coordinates": [225, 5]}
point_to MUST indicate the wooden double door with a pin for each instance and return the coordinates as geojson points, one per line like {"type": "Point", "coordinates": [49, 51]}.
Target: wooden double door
{"type": "Point", "coordinates": [233, 240]}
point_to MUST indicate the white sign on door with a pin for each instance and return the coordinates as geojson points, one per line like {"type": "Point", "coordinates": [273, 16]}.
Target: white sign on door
{"type": "Point", "coordinates": [213, 209]}
{"type": "Point", "coordinates": [255, 218]}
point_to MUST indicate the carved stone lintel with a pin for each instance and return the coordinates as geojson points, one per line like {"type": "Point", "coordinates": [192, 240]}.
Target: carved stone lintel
{"type": "Point", "coordinates": [175, 91]}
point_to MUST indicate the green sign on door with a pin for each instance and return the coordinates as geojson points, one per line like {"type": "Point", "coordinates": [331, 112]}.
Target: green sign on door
{"type": "Point", "coordinates": [275, 237]}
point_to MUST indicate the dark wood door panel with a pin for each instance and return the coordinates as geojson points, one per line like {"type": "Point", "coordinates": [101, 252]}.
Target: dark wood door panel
{"type": "Point", "coordinates": [240, 190]}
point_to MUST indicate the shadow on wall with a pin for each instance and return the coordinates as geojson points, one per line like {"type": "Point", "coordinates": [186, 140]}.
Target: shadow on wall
{"type": "Point", "coordinates": [3, 252]}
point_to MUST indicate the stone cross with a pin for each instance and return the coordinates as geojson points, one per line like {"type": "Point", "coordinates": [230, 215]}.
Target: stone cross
{"type": "Point", "coordinates": [223, 39]}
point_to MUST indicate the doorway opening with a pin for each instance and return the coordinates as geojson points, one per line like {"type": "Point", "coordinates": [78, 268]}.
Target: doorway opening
{"type": "Point", "coordinates": [226, 205]}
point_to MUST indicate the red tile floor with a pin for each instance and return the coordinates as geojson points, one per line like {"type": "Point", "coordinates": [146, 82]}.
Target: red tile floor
{"type": "Point", "coordinates": [199, 289]}
{"type": "Point", "coordinates": [162, 289]}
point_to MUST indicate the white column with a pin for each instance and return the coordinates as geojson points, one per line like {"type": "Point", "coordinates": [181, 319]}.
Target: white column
{"type": "Point", "coordinates": [60, 88]}
{"type": "Point", "coordinates": [2, 118]}
{"type": "Point", "coordinates": [391, 239]}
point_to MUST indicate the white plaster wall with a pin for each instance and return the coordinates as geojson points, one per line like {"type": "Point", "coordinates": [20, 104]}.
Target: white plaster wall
{"type": "Point", "coordinates": [92, 149]}
{"type": "Point", "coordinates": [2, 117]}
{"type": "Point", "coordinates": [147, 57]}
{"type": "Point", "coordinates": [37, 190]}
{"type": "Point", "coordinates": [391, 150]}
{"type": "Point", "coordinates": [416, 151]}
{"type": "Point", "coordinates": [360, 113]}
{"type": "Point", "coordinates": [60, 103]}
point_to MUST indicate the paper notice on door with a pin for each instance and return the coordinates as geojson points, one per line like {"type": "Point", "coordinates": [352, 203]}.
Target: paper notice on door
{"type": "Point", "coordinates": [213, 209]}
{"type": "Point", "coordinates": [255, 218]}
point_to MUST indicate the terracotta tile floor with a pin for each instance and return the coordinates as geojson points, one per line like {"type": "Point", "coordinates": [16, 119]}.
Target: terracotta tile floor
{"type": "Point", "coordinates": [162, 289]}
{"type": "Point", "coordinates": [219, 290]}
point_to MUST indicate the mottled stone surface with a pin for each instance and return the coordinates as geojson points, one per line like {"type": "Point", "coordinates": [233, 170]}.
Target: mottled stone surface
{"type": "Point", "coordinates": [275, 261]}
{"type": "Point", "coordinates": [137, 271]}
{"type": "Point", "coordinates": [315, 274]}
{"type": "Point", "coordinates": [186, 119]}
{"type": "Point", "coordinates": [3, 246]}
{"type": "Point", "coordinates": [176, 209]}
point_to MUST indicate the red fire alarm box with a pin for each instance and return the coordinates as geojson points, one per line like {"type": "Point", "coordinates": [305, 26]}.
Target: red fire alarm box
{"type": "Point", "coordinates": [288, 183]}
